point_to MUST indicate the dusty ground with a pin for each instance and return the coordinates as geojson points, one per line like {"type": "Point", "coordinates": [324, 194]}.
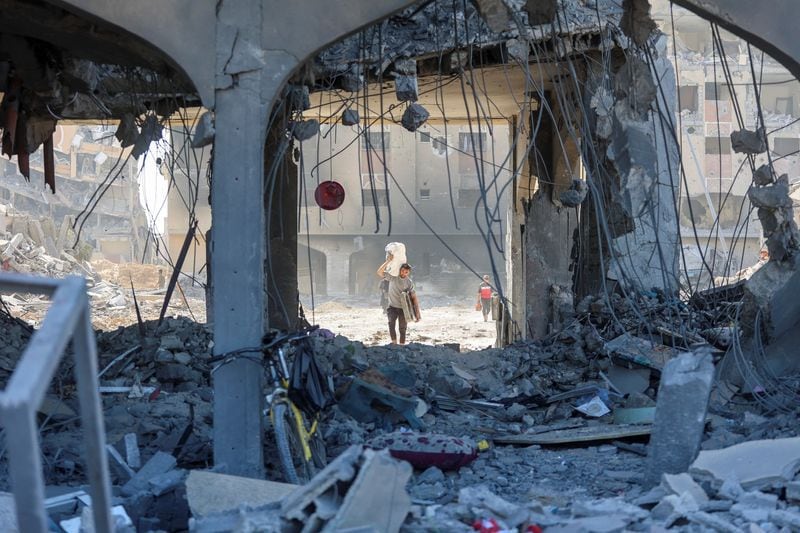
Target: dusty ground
{"type": "Point", "coordinates": [444, 320]}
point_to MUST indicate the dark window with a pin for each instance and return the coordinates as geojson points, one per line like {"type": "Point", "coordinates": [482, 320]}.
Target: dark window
{"type": "Point", "coordinates": [373, 139]}
{"type": "Point", "coordinates": [424, 194]}
{"type": "Point", "coordinates": [718, 145]}
{"type": "Point", "coordinates": [424, 137]}
{"type": "Point", "coordinates": [688, 97]}
{"type": "Point", "coordinates": [439, 144]}
{"type": "Point", "coordinates": [468, 197]}
{"type": "Point", "coordinates": [466, 142]}
{"type": "Point", "coordinates": [717, 91]}
{"type": "Point", "coordinates": [374, 191]}
{"type": "Point", "coordinates": [782, 146]}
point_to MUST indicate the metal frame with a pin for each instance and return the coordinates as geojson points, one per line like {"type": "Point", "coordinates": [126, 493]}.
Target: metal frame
{"type": "Point", "coordinates": [67, 319]}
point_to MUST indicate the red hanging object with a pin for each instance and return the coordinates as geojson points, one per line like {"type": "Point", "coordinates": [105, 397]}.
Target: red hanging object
{"type": "Point", "coordinates": [329, 195]}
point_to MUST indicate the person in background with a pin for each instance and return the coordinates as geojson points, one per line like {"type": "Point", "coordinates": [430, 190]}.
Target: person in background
{"type": "Point", "coordinates": [484, 303]}
{"type": "Point", "coordinates": [398, 285]}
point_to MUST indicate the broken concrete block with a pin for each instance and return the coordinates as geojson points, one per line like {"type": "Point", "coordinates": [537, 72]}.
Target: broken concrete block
{"type": "Point", "coordinates": [158, 464]}
{"type": "Point", "coordinates": [755, 463]}
{"type": "Point", "coordinates": [151, 131]}
{"type": "Point", "coordinates": [132, 456]}
{"type": "Point", "coordinates": [126, 132]}
{"type": "Point", "coordinates": [575, 195]}
{"type": "Point", "coordinates": [405, 88]}
{"type": "Point", "coordinates": [681, 483]}
{"type": "Point", "coordinates": [118, 464]}
{"type": "Point", "coordinates": [171, 342]}
{"type": "Point", "coordinates": [163, 483]}
{"type": "Point", "coordinates": [541, 11]}
{"type": "Point", "coordinates": [414, 116]}
{"type": "Point", "coordinates": [636, 22]}
{"type": "Point", "coordinates": [350, 117]}
{"type": "Point", "coordinates": [304, 130]}
{"type": "Point", "coordinates": [713, 521]}
{"type": "Point", "coordinates": [763, 175]}
{"type": "Point", "coordinates": [749, 142]}
{"type": "Point", "coordinates": [480, 497]}
{"type": "Point", "coordinates": [680, 414]}
{"type": "Point", "coordinates": [673, 506]}
{"type": "Point", "coordinates": [298, 97]}
{"type": "Point", "coordinates": [352, 80]}
{"type": "Point", "coordinates": [495, 13]}
{"type": "Point", "coordinates": [611, 506]}
{"type": "Point", "coordinates": [209, 493]}
{"type": "Point", "coordinates": [771, 196]}
{"type": "Point", "coordinates": [297, 505]}
{"type": "Point", "coordinates": [785, 519]}
{"type": "Point", "coordinates": [377, 499]}
{"type": "Point", "coordinates": [369, 402]}
{"type": "Point", "coordinates": [204, 131]}
{"type": "Point", "coordinates": [424, 450]}
{"type": "Point", "coordinates": [793, 491]}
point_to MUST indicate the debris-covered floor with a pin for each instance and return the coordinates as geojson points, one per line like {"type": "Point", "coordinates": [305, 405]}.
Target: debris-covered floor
{"type": "Point", "coordinates": [521, 421]}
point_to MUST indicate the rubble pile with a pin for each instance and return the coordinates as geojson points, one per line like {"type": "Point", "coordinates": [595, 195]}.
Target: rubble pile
{"type": "Point", "coordinates": [547, 433]}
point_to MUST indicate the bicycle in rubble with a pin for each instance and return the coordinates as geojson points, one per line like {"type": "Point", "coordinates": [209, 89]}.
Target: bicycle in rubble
{"type": "Point", "coordinates": [297, 396]}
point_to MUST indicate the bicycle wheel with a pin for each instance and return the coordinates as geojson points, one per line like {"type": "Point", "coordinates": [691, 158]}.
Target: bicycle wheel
{"type": "Point", "coordinates": [290, 451]}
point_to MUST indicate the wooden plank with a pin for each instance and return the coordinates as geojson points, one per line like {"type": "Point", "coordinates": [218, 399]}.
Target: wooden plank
{"type": "Point", "coordinates": [583, 434]}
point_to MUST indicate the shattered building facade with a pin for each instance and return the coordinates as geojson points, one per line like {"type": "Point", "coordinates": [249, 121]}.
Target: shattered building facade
{"type": "Point", "coordinates": [581, 223]}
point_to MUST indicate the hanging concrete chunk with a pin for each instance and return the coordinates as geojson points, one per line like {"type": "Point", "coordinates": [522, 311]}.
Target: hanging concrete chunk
{"type": "Point", "coordinates": [755, 463]}
{"type": "Point", "coordinates": [126, 132]}
{"type": "Point", "coordinates": [304, 130]}
{"type": "Point", "coordinates": [350, 117]}
{"type": "Point", "coordinates": [749, 142]}
{"type": "Point", "coordinates": [495, 13]}
{"type": "Point", "coordinates": [680, 414]}
{"type": "Point", "coordinates": [414, 116]}
{"type": "Point", "coordinates": [763, 175]}
{"type": "Point", "coordinates": [204, 132]}
{"type": "Point", "coordinates": [541, 11]}
{"type": "Point", "coordinates": [636, 22]}
{"type": "Point", "coordinates": [405, 82]}
{"type": "Point", "coordinates": [575, 195]}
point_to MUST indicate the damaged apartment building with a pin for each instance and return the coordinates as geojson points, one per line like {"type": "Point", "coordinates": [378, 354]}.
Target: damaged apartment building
{"type": "Point", "coordinates": [600, 170]}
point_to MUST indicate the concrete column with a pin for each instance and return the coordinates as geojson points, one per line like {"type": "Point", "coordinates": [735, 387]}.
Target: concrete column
{"type": "Point", "coordinates": [548, 226]}
{"type": "Point", "coordinates": [680, 414]}
{"type": "Point", "coordinates": [237, 258]}
{"type": "Point", "coordinates": [515, 222]}
{"type": "Point", "coordinates": [280, 200]}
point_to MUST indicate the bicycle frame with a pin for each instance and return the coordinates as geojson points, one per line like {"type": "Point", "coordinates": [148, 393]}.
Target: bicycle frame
{"type": "Point", "coordinates": [280, 378]}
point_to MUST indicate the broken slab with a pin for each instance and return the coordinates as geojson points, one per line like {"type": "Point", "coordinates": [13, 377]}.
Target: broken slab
{"type": "Point", "coordinates": [210, 493]}
{"type": "Point", "coordinates": [582, 434]}
{"type": "Point", "coordinates": [681, 408]}
{"type": "Point", "coordinates": [377, 499]}
{"type": "Point", "coordinates": [160, 463]}
{"type": "Point", "coordinates": [370, 402]}
{"type": "Point", "coordinates": [683, 483]}
{"type": "Point", "coordinates": [640, 351]}
{"type": "Point", "coordinates": [755, 463]}
{"type": "Point", "coordinates": [628, 380]}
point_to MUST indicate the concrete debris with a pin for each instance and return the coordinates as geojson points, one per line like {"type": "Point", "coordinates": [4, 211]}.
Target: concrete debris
{"type": "Point", "coordinates": [406, 88]}
{"type": "Point", "coordinates": [304, 129]}
{"type": "Point", "coordinates": [414, 116]}
{"type": "Point", "coordinates": [541, 11]}
{"type": "Point", "coordinates": [749, 142]}
{"type": "Point", "coordinates": [636, 22]}
{"type": "Point", "coordinates": [350, 117]}
{"type": "Point", "coordinates": [211, 493]}
{"type": "Point", "coordinates": [763, 175]}
{"type": "Point", "coordinates": [680, 414]}
{"type": "Point", "coordinates": [126, 132]}
{"type": "Point", "coordinates": [495, 13]}
{"type": "Point", "coordinates": [575, 195]}
{"type": "Point", "coordinates": [754, 464]}
{"type": "Point", "coordinates": [151, 131]}
{"type": "Point", "coordinates": [160, 463]}
{"type": "Point", "coordinates": [204, 131]}
{"type": "Point", "coordinates": [777, 216]}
